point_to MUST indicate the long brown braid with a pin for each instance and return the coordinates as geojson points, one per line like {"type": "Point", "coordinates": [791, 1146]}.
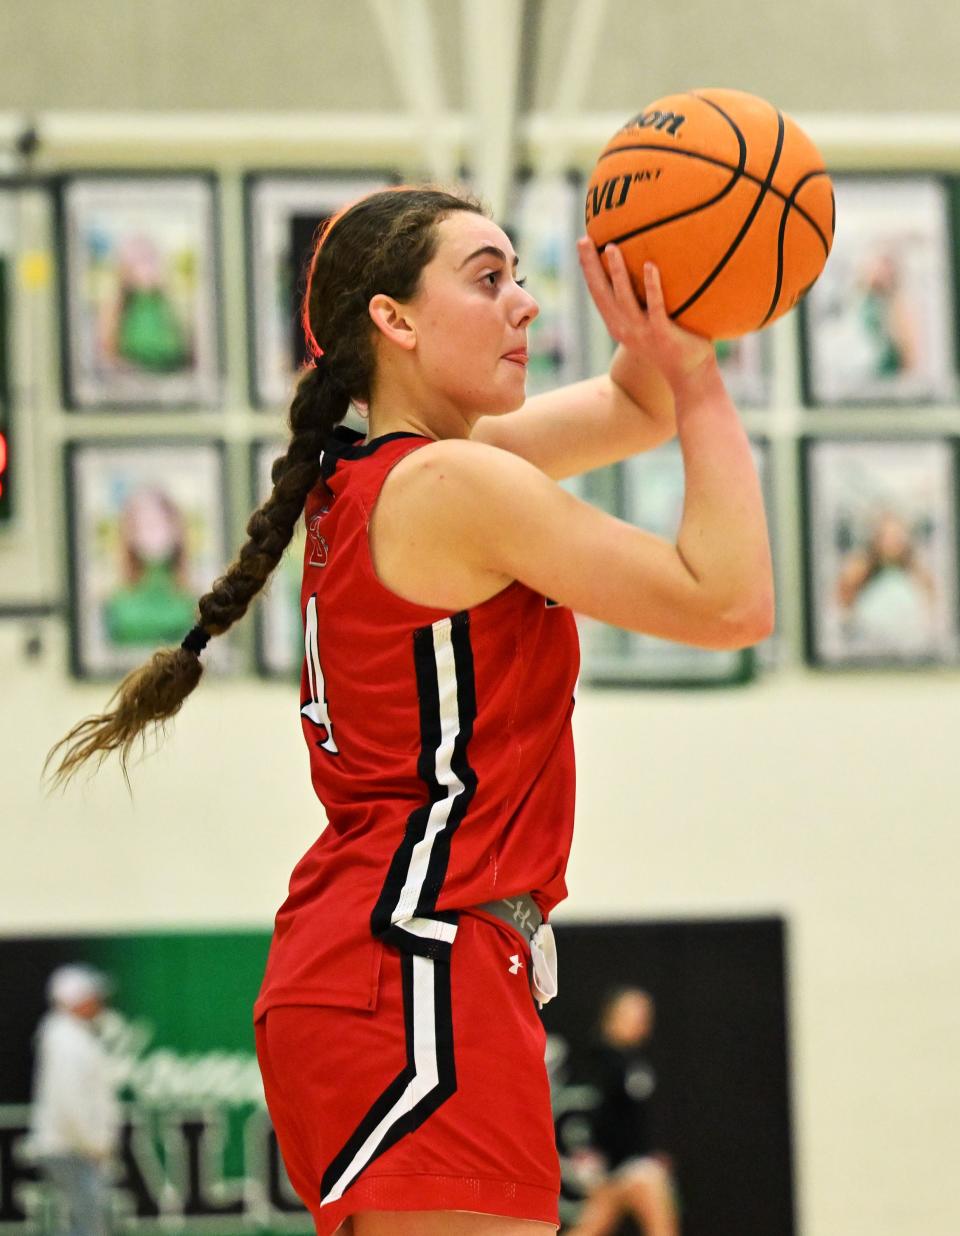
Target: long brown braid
{"type": "Point", "coordinates": [378, 245]}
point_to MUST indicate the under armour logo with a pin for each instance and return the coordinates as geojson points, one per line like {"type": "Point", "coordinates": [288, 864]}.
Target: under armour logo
{"type": "Point", "coordinates": [515, 964]}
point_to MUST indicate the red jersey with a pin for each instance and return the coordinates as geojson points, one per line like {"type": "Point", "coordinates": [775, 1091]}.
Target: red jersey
{"type": "Point", "coordinates": [440, 747]}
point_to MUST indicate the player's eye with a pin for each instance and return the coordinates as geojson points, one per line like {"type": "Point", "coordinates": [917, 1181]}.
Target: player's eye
{"type": "Point", "coordinates": [493, 278]}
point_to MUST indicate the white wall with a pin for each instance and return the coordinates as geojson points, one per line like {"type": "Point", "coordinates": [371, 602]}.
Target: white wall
{"type": "Point", "coordinates": [833, 801]}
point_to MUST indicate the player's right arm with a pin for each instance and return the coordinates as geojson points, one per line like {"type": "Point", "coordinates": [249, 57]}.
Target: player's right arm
{"type": "Point", "coordinates": [467, 517]}
{"type": "Point", "coordinates": [713, 588]}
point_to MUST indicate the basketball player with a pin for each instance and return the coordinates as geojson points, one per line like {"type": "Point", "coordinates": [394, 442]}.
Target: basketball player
{"type": "Point", "coordinates": [397, 1029]}
{"type": "Point", "coordinates": [629, 1176]}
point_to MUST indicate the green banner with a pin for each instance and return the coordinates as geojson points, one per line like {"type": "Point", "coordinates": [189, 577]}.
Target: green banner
{"type": "Point", "coordinates": [197, 1151]}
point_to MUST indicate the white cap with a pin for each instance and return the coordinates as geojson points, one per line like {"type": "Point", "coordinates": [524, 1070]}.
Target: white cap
{"type": "Point", "coordinates": [70, 986]}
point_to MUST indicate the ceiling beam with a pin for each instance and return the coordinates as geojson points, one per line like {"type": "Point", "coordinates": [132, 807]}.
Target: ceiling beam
{"type": "Point", "coordinates": [491, 64]}
{"type": "Point", "coordinates": [406, 28]}
{"type": "Point", "coordinates": [232, 139]}
{"type": "Point", "coordinates": [579, 59]}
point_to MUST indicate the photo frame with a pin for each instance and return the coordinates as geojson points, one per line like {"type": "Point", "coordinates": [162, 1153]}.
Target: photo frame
{"type": "Point", "coordinates": [878, 326]}
{"type": "Point", "coordinates": [880, 521]}
{"type": "Point", "coordinates": [283, 213]}
{"type": "Point", "coordinates": [545, 214]}
{"type": "Point", "coordinates": [651, 497]}
{"type": "Point", "coordinates": [139, 290]}
{"type": "Point", "coordinates": [278, 618]}
{"type": "Point", "coordinates": [147, 537]}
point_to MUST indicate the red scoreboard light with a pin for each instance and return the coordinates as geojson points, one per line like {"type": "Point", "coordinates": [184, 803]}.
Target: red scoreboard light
{"type": "Point", "coordinates": [5, 413]}
{"type": "Point", "coordinates": [4, 483]}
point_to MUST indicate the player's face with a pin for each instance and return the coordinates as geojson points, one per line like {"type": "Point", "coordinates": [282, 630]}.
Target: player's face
{"type": "Point", "coordinates": [471, 317]}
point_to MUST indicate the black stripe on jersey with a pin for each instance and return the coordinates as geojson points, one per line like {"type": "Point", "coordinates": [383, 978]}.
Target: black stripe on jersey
{"type": "Point", "coordinates": [460, 765]}
{"type": "Point", "coordinates": [356, 1156]}
{"type": "Point", "coordinates": [431, 738]}
{"type": "Point", "coordinates": [425, 668]}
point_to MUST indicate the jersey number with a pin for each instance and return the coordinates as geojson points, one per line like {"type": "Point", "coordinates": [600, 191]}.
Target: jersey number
{"type": "Point", "coordinates": [315, 709]}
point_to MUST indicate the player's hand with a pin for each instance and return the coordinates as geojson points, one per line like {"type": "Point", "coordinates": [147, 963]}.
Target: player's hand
{"type": "Point", "coordinates": [647, 332]}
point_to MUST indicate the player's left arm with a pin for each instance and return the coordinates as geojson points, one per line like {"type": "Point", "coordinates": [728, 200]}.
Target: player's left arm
{"type": "Point", "coordinates": [599, 421]}
{"type": "Point", "coordinates": [587, 424]}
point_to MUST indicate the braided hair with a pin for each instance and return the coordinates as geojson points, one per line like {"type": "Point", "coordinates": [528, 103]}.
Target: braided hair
{"type": "Point", "coordinates": [380, 244]}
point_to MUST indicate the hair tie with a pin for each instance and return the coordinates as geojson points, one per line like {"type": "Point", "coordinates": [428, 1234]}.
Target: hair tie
{"type": "Point", "coordinates": [196, 640]}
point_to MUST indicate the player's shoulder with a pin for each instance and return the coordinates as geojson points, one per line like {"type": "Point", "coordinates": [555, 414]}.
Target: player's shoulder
{"type": "Point", "coordinates": [455, 488]}
{"type": "Point", "coordinates": [458, 467]}
{"type": "Point", "coordinates": [462, 453]}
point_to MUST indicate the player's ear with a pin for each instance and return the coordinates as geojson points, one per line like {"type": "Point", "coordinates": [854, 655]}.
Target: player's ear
{"type": "Point", "coordinates": [389, 316]}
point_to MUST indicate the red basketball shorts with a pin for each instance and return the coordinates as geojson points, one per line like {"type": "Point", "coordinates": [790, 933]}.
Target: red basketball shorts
{"type": "Point", "coordinates": [437, 1099]}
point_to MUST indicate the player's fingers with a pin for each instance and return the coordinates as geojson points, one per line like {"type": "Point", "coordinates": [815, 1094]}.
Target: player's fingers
{"type": "Point", "coordinates": [597, 281]}
{"type": "Point", "coordinates": [622, 283]}
{"type": "Point", "coordinates": [654, 291]}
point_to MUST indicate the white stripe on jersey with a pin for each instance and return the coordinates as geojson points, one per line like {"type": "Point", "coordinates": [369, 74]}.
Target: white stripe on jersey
{"type": "Point", "coordinates": [315, 709]}
{"type": "Point", "coordinates": [446, 777]}
{"type": "Point", "coordinates": [430, 929]}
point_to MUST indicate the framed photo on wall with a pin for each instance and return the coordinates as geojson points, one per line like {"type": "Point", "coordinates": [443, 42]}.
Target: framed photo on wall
{"type": "Point", "coordinates": [139, 290]}
{"type": "Point", "coordinates": [279, 623]}
{"type": "Point", "coordinates": [283, 213]}
{"type": "Point", "coordinates": [546, 221]}
{"type": "Point", "coordinates": [147, 537]}
{"type": "Point", "coordinates": [881, 560]}
{"type": "Point", "coordinates": [878, 325]}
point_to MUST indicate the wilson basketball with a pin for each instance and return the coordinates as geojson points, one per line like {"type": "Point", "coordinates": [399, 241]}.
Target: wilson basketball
{"type": "Point", "coordinates": [729, 198]}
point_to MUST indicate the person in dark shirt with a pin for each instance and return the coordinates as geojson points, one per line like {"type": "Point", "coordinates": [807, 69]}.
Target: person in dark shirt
{"type": "Point", "coordinates": [624, 1173]}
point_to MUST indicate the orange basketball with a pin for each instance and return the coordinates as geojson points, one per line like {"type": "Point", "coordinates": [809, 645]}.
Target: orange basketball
{"type": "Point", "coordinates": [729, 198]}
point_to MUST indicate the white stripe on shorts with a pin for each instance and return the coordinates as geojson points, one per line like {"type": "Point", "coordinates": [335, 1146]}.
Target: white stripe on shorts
{"type": "Point", "coordinates": [425, 1079]}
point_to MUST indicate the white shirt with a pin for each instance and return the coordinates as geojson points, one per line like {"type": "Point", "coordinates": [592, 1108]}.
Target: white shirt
{"type": "Point", "coordinates": [75, 1110]}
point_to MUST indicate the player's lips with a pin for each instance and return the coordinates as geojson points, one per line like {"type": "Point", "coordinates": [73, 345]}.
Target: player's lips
{"type": "Point", "coordinates": [518, 356]}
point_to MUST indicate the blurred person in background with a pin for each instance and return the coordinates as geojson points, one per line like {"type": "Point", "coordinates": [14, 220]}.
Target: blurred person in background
{"type": "Point", "coordinates": [75, 1119]}
{"type": "Point", "coordinates": [621, 1169]}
